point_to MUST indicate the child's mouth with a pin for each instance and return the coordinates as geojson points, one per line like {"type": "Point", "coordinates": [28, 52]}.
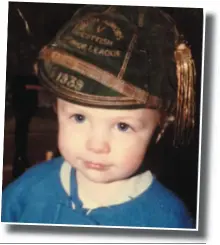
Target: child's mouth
{"type": "Point", "coordinates": [97, 166]}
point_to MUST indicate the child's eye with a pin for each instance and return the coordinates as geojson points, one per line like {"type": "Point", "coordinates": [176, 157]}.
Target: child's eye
{"type": "Point", "coordinates": [123, 127]}
{"type": "Point", "coordinates": [79, 118]}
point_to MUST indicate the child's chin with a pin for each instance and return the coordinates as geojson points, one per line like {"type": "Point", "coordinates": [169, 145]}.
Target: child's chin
{"type": "Point", "coordinates": [100, 179]}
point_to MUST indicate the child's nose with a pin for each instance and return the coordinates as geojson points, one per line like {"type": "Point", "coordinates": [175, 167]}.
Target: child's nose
{"type": "Point", "coordinates": [98, 143]}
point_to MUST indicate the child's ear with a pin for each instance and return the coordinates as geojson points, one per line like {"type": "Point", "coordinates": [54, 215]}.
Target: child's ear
{"type": "Point", "coordinates": [166, 120]}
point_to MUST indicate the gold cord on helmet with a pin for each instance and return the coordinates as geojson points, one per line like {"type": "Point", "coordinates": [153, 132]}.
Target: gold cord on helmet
{"type": "Point", "coordinates": [185, 111]}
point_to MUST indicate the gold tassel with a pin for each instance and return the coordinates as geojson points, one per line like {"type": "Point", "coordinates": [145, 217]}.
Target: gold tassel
{"type": "Point", "coordinates": [185, 111]}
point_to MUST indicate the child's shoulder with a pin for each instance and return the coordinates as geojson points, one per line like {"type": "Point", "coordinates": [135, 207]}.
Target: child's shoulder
{"type": "Point", "coordinates": [38, 175]}
{"type": "Point", "coordinates": [36, 186]}
{"type": "Point", "coordinates": [166, 207]}
{"type": "Point", "coordinates": [41, 171]}
{"type": "Point", "coordinates": [159, 191]}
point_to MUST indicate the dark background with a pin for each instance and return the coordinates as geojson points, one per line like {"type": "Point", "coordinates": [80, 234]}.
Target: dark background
{"type": "Point", "coordinates": [177, 168]}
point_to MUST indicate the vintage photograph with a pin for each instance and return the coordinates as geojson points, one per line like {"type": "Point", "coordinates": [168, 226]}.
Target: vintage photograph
{"type": "Point", "coordinates": [102, 116]}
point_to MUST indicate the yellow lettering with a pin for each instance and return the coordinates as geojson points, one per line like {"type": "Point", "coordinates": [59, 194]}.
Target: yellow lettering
{"type": "Point", "coordinates": [117, 53]}
{"type": "Point", "coordinates": [100, 28]}
{"type": "Point", "coordinates": [70, 81]}
{"type": "Point", "coordinates": [80, 46]}
{"type": "Point", "coordinates": [83, 47]}
{"type": "Point", "coordinates": [59, 76]}
{"type": "Point", "coordinates": [71, 84]}
{"type": "Point", "coordinates": [115, 29]}
{"type": "Point", "coordinates": [95, 50]}
{"type": "Point", "coordinates": [90, 48]}
{"type": "Point", "coordinates": [97, 39]}
{"type": "Point", "coordinates": [94, 38]}
{"type": "Point", "coordinates": [102, 52]}
{"type": "Point", "coordinates": [62, 78]}
{"type": "Point", "coordinates": [79, 85]}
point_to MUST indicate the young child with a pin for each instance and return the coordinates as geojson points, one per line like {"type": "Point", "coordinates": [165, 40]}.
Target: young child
{"type": "Point", "coordinates": [118, 74]}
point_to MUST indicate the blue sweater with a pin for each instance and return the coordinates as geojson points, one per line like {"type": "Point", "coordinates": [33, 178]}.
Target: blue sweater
{"type": "Point", "coordinates": [38, 197]}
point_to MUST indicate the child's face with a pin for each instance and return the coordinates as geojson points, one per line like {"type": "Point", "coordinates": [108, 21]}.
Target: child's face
{"type": "Point", "coordinates": [104, 145]}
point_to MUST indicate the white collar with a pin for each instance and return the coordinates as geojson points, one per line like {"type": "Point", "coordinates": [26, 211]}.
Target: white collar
{"type": "Point", "coordinates": [129, 188]}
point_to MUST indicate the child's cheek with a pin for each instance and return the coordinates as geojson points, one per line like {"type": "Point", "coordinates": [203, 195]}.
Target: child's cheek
{"type": "Point", "coordinates": [133, 153]}
{"type": "Point", "coordinates": [133, 160]}
{"type": "Point", "coordinates": [70, 142]}
{"type": "Point", "coordinates": [62, 142]}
